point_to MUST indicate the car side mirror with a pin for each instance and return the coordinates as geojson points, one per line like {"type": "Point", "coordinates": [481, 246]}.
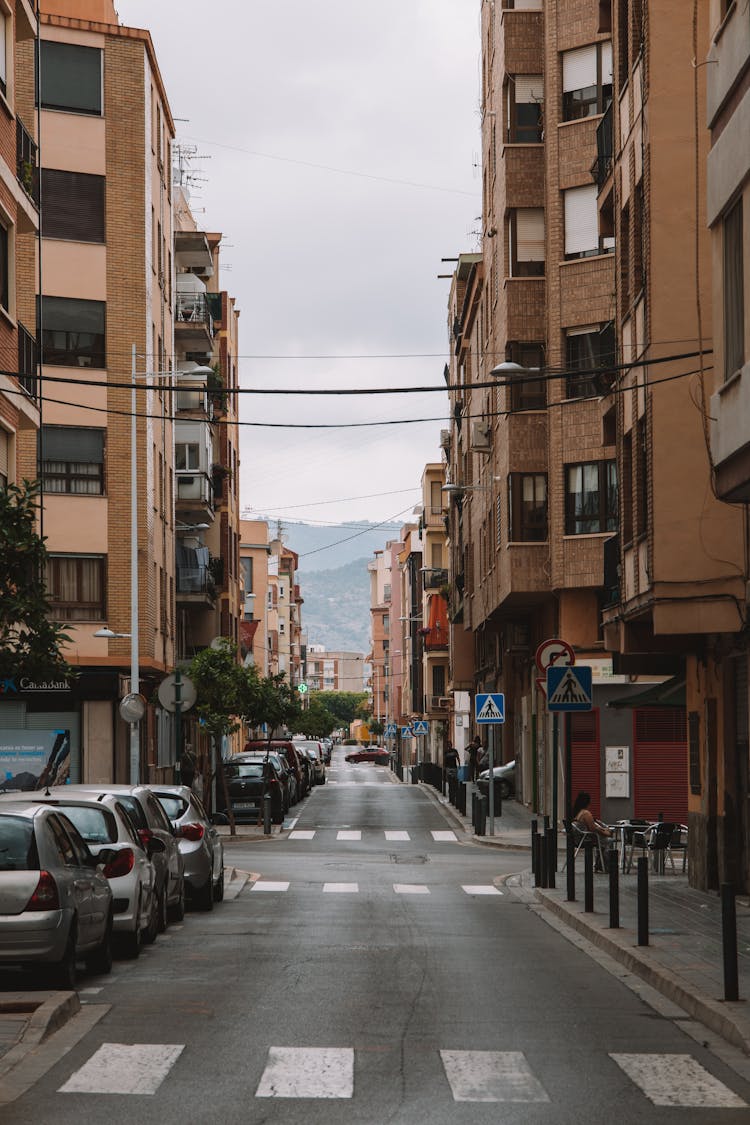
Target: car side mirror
{"type": "Point", "coordinates": [219, 818]}
{"type": "Point", "coordinates": [154, 846]}
{"type": "Point", "coordinates": [104, 858]}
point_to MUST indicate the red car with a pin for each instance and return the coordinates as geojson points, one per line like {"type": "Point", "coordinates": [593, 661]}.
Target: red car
{"type": "Point", "coordinates": [377, 754]}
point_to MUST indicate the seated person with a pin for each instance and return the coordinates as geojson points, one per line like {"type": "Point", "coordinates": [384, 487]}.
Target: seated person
{"type": "Point", "coordinates": [585, 819]}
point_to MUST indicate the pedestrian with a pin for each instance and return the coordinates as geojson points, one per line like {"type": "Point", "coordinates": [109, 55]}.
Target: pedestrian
{"type": "Point", "coordinates": [451, 760]}
{"type": "Point", "coordinates": [475, 749]}
{"type": "Point", "coordinates": [587, 822]}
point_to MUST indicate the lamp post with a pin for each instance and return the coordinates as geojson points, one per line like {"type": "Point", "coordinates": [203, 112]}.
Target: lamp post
{"type": "Point", "coordinates": [132, 706]}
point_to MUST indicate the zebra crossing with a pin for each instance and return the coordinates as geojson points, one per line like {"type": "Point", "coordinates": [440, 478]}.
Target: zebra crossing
{"type": "Point", "coordinates": [277, 886]}
{"type": "Point", "coordinates": [676, 1080]}
{"type": "Point", "coordinates": [356, 835]}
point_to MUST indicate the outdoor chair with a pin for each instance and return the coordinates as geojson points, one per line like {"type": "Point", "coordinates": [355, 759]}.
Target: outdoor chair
{"type": "Point", "coordinates": [655, 841]}
{"type": "Point", "coordinates": [678, 843]}
{"type": "Point", "coordinates": [580, 836]}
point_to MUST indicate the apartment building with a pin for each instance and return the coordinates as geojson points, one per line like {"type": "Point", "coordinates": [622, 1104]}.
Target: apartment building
{"type": "Point", "coordinates": [285, 608]}
{"type": "Point", "coordinates": [255, 550]}
{"type": "Point", "coordinates": [328, 670]}
{"type": "Point", "coordinates": [432, 630]}
{"type": "Point", "coordinates": [379, 569]}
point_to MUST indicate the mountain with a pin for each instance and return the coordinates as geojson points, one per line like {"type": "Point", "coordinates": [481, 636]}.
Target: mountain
{"type": "Point", "coordinates": [336, 612]}
{"type": "Point", "coordinates": [333, 546]}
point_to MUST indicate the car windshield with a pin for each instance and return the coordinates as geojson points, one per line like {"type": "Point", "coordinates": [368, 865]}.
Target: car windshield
{"type": "Point", "coordinates": [97, 826]}
{"type": "Point", "coordinates": [173, 805]}
{"type": "Point", "coordinates": [17, 845]}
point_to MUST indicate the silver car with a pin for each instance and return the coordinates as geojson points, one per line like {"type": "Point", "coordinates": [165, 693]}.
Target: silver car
{"type": "Point", "coordinates": [106, 824]}
{"type": "Point", "coordinates": [55, 902]}
{"type": "Point", "coordinates": [199, 843]}
{"type": "Point", "coordinates": [316, 752]}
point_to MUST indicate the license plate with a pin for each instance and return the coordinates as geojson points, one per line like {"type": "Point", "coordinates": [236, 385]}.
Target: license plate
{"type": "Point", "coordinates": [244, 805]}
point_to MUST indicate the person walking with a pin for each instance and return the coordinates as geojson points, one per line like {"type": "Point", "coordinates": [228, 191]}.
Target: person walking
{"type": "Point", "coordinates": [475, 750]}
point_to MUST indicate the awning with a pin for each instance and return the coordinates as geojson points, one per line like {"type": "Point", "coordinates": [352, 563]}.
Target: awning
{"type": "Point", "coordinates": [670, 693]}
{"type": "Point", "coordinates": [436, 632]}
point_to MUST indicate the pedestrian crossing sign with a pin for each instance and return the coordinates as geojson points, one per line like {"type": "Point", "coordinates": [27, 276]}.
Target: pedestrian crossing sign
{"type": "Point", "coordinates": [406, 732]}
{"type": "Point", "coordinates": [489, 707]}
{"type": "Point", "coordinates": [420, 726]}
{"type": "Point", "coordinates": [390, 730]}
{"type": "Point", "coordinates": [569, 688]}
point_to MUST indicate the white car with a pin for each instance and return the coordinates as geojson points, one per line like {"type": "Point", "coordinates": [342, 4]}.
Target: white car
{"type": "Point", "coordinates": [505, 780]}
{"type": "Point", "coordinates": [105, 824]}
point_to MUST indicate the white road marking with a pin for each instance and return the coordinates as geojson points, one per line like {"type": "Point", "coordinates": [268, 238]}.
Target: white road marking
{"type": "Point", "coordinates": [267, 885]}
{"type": "Point", "coordinates": [308, 1072]}
{"type": "Point", "coordinates": [301, 834]}
{"type": "Point", "coordinates": [290, 822]}
{"type": "Point", "coordinates": [481, 889]}
{"type": "Point", "coordinates": [491, 1076]}
{"type": "Point", "coordinates": [88, 991]}
{"type": "Point", "coordinates": [397, 835]}
{"type": "Point", "coordinates": [411, 889]}
{"type": "Point", "coordinates": [341, 888]}
{"type": "Point", "coordinates": [119, 1068]}
{"type": "Point", "coordinates": [677, 1080]}
{"type": "Point", "coordinates": [345, 835]}
{"type": "Point", "coordinates": [445, 836]}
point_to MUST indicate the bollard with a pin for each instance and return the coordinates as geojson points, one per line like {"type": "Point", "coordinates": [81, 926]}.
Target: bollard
{"type": "Point", "coordinates": [542, 856]}
{"type": "Point", "coordinates": [588, 878]}
{"type": "Point", "coordinates": [461, 804]}
{"type": "Point", "coordinates": [266, 814]}
{"type": "Point", "coordinates": [729, 942]}
{"type": "Point", "coordinates": [570, 865]}
{"type": "Point", "coordinates": [643, 900]}
{"type": "Point", "coordinates": [551, 846]}
{"type": "Point", "coordinates": [534, 832]}
{"type": "Point", "coordinates": [474, 811]}
{"type": "Point", "coordinates": [614, 889]}
{"type": "Point", "coordinates": [481, 825]}
{"type": "Point", "coordinates": [538, 867]}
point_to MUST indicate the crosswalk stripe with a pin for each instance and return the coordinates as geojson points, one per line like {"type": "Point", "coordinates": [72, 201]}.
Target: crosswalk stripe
{"type": "Point", "coordinates": [491, 1076]}
{"type": "Point", "coordinates": [390, 835]}
{"type": "Point", "coordinates": [301, 834]}
{"type": "Point", "coordinates": [308, 1072]}
{"type": "Point", "coordinates": [349, 835]}
{"type": "Point", "coordinates": [481, 889]}
{"type": "Point", "coordinates": [341, 888]}
{"type": "Point", "coordinates": [677, 1080]}
{"type": "Point", "coordinates": [411, 889]}
{"type": "Point", "coordinates": [444, 836]}
{"type": "Point", "coordinates": [120, 1068]}
{"type": "Point", "coordinates": [268, 885]}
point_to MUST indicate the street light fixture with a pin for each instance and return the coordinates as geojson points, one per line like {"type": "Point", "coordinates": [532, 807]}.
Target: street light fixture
{"type": "Point", "coordinates": [109, 634]}
{"type": "Point", "coordinates": [508, 369]}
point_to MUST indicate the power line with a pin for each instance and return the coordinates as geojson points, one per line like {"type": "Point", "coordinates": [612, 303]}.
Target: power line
{"type": "Point", "coordinates": [348, 539]}
{"type": "Point", "coordinates": [341, 500]}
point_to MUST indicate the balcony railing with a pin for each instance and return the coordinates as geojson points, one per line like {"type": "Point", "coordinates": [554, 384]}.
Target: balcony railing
{"type": "Point", "coordinates": [435, 578]}
{"type": "Point", "coordinates": [28, 355]}
{"type": "Point", "coordinates": [602, 166]}
{"type": "Point", "coordinates": [27, 162]}
{"type": "Point", "coordinates": [194, 308]}
{"type": "Point", "coordinates": [195, 580]}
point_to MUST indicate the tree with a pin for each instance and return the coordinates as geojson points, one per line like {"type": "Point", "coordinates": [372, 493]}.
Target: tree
{"type": "Point", "coordinates": [317, 720]}
{"type": "Point", "coordinates": [30, 641]}
{"type": "Point", "coordinates": [342, 704]}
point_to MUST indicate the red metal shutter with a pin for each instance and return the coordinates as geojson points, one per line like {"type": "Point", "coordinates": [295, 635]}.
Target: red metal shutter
{"type": "Point", "coordinates": [660, 763]}
{"type": "Point", "coordinates": [586, 772]}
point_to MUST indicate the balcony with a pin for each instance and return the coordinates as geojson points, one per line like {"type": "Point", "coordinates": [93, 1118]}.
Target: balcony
{"type": "Point", "coordinates": [27, 162]}
{"type": "Point", "coordinates": [28, 356]}
{"type": "Point", "coordinates": [195, 491]}
{"type": "Point", "coordinates": [194, 324]}
{"type": "Point", "coordinates": [192, 252]}
{"type": "Point", "coordinates": [602, 166]}
{"type": "Point", "coordinates": [435, 578]}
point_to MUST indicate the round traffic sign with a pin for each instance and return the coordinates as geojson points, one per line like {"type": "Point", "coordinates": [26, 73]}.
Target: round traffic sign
{"type": "Point", "coordinates": [168, 693]}
{"type": "Point", "coordinates": [552, 652]}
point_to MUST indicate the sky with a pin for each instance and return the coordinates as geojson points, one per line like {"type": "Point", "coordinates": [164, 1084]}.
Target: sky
{"type": "Point", "coordinates": [337, 150]}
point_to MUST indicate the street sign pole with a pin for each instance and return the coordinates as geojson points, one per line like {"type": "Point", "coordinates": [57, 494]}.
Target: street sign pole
{"type": "Point", "coordinates": [178, 722]}
{"type": "Point", "coordinates": [555, 771]}
{"type": "Point", "coordinates": [491, 789]}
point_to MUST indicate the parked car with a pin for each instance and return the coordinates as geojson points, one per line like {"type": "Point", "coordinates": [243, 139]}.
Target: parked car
{"type": "Point", "coordinates": [292, 758]}
{"type": "Point", "coordinates": [198, 841]}
{"type": "Point", "coordinates": [377, 754]}
{"type": "Point", "coordinates": [55, 901]}
{"type": "Point", "coordinates": [105, 825]}
{"type": "Point", "coordinates": [315, 751]}
{"type": "Point", "coordinates": [505, 781]}
{"type": "Point", "coordinates": [249, 777]}
{"type": "Point", "coordinates": [328, 747]}
{"type": "Point", "coordinates": [151, 823]}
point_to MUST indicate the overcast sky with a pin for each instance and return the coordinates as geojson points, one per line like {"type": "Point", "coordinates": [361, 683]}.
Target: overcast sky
{"type": "Point", "coordinates": [342, 140]}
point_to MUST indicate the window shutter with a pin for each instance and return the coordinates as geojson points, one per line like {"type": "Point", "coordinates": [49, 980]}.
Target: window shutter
{"type": "Point", "coordinates": [529, 89]}
{"type": "Point", "coordinates": [69, 443]}
{"type": "Point", "coordinates": [579, 68]}
{"type": "Point", "coordinates": [606, 50]}
{"type": "Point", "coordinates": [3, 50]}
{"type": "Point", "coordinates": [530, 234]}
{"type": "Point", "coordinates": [73, 206]}
{"type": "Point", "coordinates": [4, 457]}
{"type": "Point", "coordinates": [581, 220]}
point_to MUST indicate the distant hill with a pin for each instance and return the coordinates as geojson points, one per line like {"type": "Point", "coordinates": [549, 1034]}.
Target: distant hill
{"type": "Point", "coordinates": [336, 612]}
{"type": "Point", "coordinates": [334, 546]}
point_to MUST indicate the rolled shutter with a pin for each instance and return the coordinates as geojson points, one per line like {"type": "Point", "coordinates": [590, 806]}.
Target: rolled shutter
{"type": "Point", "coordinates": [581, 220]}
{"type": "Point", "coordinates": [69, 443]}
{"type": "Point", "coordinates": [73, 206]}
{"type": "Point", "coordinates": [585, 750]}
{"type": "Point", "coordinates": [4, 454]}
{"type": "Point", "coordinates": [529, 89]}
{"type": "Point", "coordinates": [606, 50]}
{"type": "Point", "coordinates": [660, 763]}
{"type": "Point", "coordinates": [579, 68]}
{"type": "Point", "coordinates": [530, 234]}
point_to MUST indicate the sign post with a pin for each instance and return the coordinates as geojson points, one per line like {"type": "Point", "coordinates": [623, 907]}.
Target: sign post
{"type": "Point", "coordinates": [489, 708]}
{"type": "Point", "coordinates": [554, 653]}
{"type": "Point", "coordinates": [569, 688]}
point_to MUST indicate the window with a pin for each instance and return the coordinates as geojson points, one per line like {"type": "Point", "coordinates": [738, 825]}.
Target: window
{"type": "Point", "coordinates": [386, 623]}
{"type": "Point", "coordinates": [3, 53]}
{"type": "Point", "coordinates": [587, 81]}
{"type": "Point", "coordinates": [591, 497]}
{"type": "Point", "coordinates": [582, 238]}
{"type": "Point", "coordinates": [282, 628]}
{"type": "Point", "coordinates": [187, 456]}
{"type": "Point", "coordinates": [525, 97]}
{"type": "Point", "coordinates": [73, 332]}
{"type": "Point", "coordinates": [527, 507]}
{"type": "Point", "coordinates": [642, 483]}
{"type": "Point", "coordinates": [526, 392]}
{"type": "Point", "coordinates": [72, 460]}
{"type": "Point", "coordinates": [71, 77]}
{"type": "Point", "coordinates": [734, 341]}
{"type": "Point", "coordinates": [527, 242]}
{"type": "Point", "coordinates": [4, 457]}
{"type": "Point", "coordinates": [282, 590]}
{"type": "Point", "coordinates": [436, 497]}
{"type": "Point", "coordinates": [438, 679]}
{"type": "Point", "coordinates": [73, 206]}
{"type": "Point", "coordinates": [75, 585]}
{"type": "Point", "coordinates": [591, 351]}
{"type": "Point", "coordinates": [436, 556]}
{"type": "Point", "coordinates": [246, 565]}
{"type": "Point", "coordinates": [4, 267]}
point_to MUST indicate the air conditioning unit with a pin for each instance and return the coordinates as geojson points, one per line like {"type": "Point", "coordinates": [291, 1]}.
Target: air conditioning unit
{"type": "Point", "coordinates": [445, 439]}
{"type": "Point", "coordinates": [480, 437]}
{"type": "Point", "coordinates": [444, 702]}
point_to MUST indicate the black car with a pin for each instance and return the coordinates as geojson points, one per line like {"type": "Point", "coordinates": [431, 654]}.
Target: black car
{"type": "Point", "coordinates": [249, 777]}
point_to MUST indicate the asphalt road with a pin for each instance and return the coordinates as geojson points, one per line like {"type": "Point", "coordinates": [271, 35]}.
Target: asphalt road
{"type": "Point", "coordinates": [372, 978]}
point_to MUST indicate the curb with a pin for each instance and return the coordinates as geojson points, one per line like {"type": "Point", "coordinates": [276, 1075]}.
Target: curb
{"type": "Point", "coordinates": [485, 841]}
{"type": "Point", "coordinates": [715, 1014]}
{"type": "Point", "coordinates": [47, 1017]}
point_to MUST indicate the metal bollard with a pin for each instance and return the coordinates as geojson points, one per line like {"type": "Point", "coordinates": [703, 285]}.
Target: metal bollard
{"type": "Point", "coordinates": [588, 878]}
{"type": "Point", "coordinates": [534, 833]}
{"type": "Point", "coordinates": [266, 814]}
{"type": "Point", "coordinates": [643, 900]}
{"type": "Point", "coordinates": [729, 942]}
{"type": "Point", "coordinates": [542, 860]}
{"type": "Point", "coordinates": [538, 860]}
{"type": "Point", "coordinates": [570, 866]}
{"type": "Point", "coordinates": [614, 889]}
{"type": "Point", "coordinates": [551, 846]}
{"type": "Point", "coordinates": [481, 825]}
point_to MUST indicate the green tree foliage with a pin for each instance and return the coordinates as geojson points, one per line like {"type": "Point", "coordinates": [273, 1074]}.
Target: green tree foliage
{"type": "Point", "coordinates": [30, 641]}
{"type": "Point", "coordinates": [342, 704]}
{"type": "Point", "coordinates": [317, 721]}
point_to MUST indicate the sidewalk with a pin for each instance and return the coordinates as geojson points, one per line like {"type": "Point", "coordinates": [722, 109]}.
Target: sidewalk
{"type": "Point", "coordinates": [683, 959]}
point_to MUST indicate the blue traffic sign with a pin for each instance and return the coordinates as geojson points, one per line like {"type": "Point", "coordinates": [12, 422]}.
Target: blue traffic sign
{"type": "Point", "coordinates": [391, 730]}
{"type": "Point", "coordinates": [420, 726]}
{"type": "Point", "coordinates": [569, 689]}
{"type": "Point", "coordinates": [489, 707]}
{"type": "Point", "coordinates": [406, 732]}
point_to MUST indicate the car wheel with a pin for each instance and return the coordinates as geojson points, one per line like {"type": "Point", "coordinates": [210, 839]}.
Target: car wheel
{"type": "Point", "coordinates": [219, 888]}
{"type": "Point", "coordinates": [100, 961]}
{"type": "Point", "coordinates": [152, 929]}
{"type": "Point", "coordinates": [162, 911]}
{"type": "Point", "coordinates": [177, 912]}
{"type": "Point", "coordinates": [130, 944]}
{"type": "Point", "coordinates": [203, 899]}
{"type": "Point", "coordinates": [63, 973]}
